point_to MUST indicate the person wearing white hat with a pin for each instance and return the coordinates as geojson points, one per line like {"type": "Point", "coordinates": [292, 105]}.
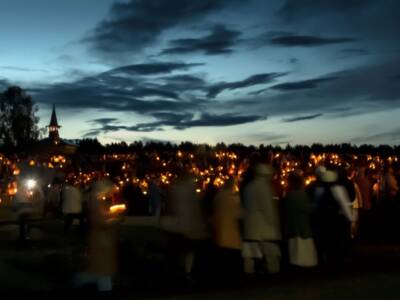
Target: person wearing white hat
{"type": "Point", "coordinates": [261, 222]}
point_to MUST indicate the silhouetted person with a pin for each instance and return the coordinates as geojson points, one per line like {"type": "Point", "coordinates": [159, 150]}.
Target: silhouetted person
{"type": "Point", "coordinates": [185, 218]}
{"type": "Point", "coordinates": [53, 199]}
{"type": "Point", "coordinates": [333, 220]}
{"type": "Point", "coordinates": [227, 213]}
{"type": "Point", "coordinates": [389, 190]}
{"type": "Point", "coordinates": [297, 228]}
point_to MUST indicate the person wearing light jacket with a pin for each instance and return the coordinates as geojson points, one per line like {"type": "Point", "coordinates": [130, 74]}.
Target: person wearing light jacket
{"type": "Point", "coordinates": [261, 222]}
{"type": "Point", "coordinates": [71, 205]}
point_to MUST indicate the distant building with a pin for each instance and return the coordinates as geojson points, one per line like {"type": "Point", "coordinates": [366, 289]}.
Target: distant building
{"type": "Point", "coordinates": [53, 144]}
{"type": "Point", "coordinates": [53, 127]}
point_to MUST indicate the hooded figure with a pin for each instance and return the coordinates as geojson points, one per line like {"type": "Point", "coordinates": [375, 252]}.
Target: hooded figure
{"type": "Point", "coordinates": [261, 221]}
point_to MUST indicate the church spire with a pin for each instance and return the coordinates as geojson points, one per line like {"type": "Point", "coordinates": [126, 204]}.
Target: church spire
{"type": "Point", "coordinates": [53, 127]}
{"type": "Point", "coordinates": [53, 120]}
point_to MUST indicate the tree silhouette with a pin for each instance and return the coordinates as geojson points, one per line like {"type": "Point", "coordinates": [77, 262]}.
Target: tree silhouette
{"type": "Point", "coordinates": [90, 146]}
{"type": "Point", "coordinates": [18, 123]}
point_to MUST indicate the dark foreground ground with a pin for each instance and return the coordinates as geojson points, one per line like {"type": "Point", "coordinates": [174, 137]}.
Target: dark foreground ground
{"type": "Point", "coordinates": [150, 271]}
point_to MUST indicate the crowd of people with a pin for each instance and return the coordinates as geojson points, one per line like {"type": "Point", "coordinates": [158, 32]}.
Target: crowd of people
{"type": "Point", "coordinates": [306, 226]}
{"type": "Point", "coordinates": [254, 223]}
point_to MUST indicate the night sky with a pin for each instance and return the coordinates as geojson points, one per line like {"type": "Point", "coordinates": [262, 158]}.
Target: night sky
{"type": "Point", "coordinates": [256, 71]}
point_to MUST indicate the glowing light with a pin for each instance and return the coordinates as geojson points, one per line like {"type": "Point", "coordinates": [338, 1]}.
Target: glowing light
{"type": "Point", "coordinates": [118, 208]}
{"type": "Point", "coordinates": [30, 184]}
{"type": "Point", "coordinates": [12, 191]}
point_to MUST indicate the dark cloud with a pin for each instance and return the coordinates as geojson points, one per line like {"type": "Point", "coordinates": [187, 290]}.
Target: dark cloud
{"type": "Point", "coordinates": [295, 40]}
{"type": "Point", "coordinates": [135, 24]}
{"type": "Point", "coordinates": [220, 120]}
{"type": "Point", "coordinates": [103, 121]}
{"type": "Point", "coordinates": [219, 41]}
{"type": "Point", "coordinates": [375, 22]}
{"type": "Point", "coordinates": [302, 118]}
{"type": "Point", "coordinates": [92, 93]}
{"type": "Point", "coordinates": [356, 91]}
{"type": "Point", "coordinates": [293, 9]}
{"type": "Point", "coordinates": [147, 92]}
{"type": "Point", "coordinates": [257, 79]}
{"type": "Point", "coordinates": [92, 133]}
{"type": "Point", "coordinates": [179, 121]}
{"type": "Point", "coordinates": [163, 119]}
{"type": "Point", "coordinates": [355, 52]}
{"type": "Point", "coordinates": [258, 92]}
{"type": "Point", "coordinates": [182, 121]}
{"type": "Point", "coordinates": [183, 84]}
{"type": "Point", "coordinates": [22, 69]}
{"type": "Point", "coordinates": [154, 68]}
{"type": "Point", "coordinates": [184, 79]}
{"type": "Point", "coordinates": [130, 88]}
{"type": "Point", "coordinates": [301, 85]}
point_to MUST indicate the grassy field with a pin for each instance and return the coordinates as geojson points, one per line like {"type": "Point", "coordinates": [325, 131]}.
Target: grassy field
{"type": "Point", "coordinates": [150, 270]}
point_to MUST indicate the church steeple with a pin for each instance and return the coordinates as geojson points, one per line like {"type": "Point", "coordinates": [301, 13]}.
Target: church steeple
{"type": "Point", "coordinates": [53, 127]}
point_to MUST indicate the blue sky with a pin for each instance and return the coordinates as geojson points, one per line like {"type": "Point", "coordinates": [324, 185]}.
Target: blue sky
{"type": "Point", "coordinates": [253, 71]}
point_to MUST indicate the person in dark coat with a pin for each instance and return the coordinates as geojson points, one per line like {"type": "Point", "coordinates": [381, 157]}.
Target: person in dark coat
{"type": "Point", "coordinates": [333, 217]}
{"type": "Point", "coordinates": [297, 229]}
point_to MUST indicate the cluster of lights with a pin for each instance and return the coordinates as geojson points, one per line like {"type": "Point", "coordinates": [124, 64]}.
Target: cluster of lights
{"type": "Point", "coordinates": [226, 165]}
